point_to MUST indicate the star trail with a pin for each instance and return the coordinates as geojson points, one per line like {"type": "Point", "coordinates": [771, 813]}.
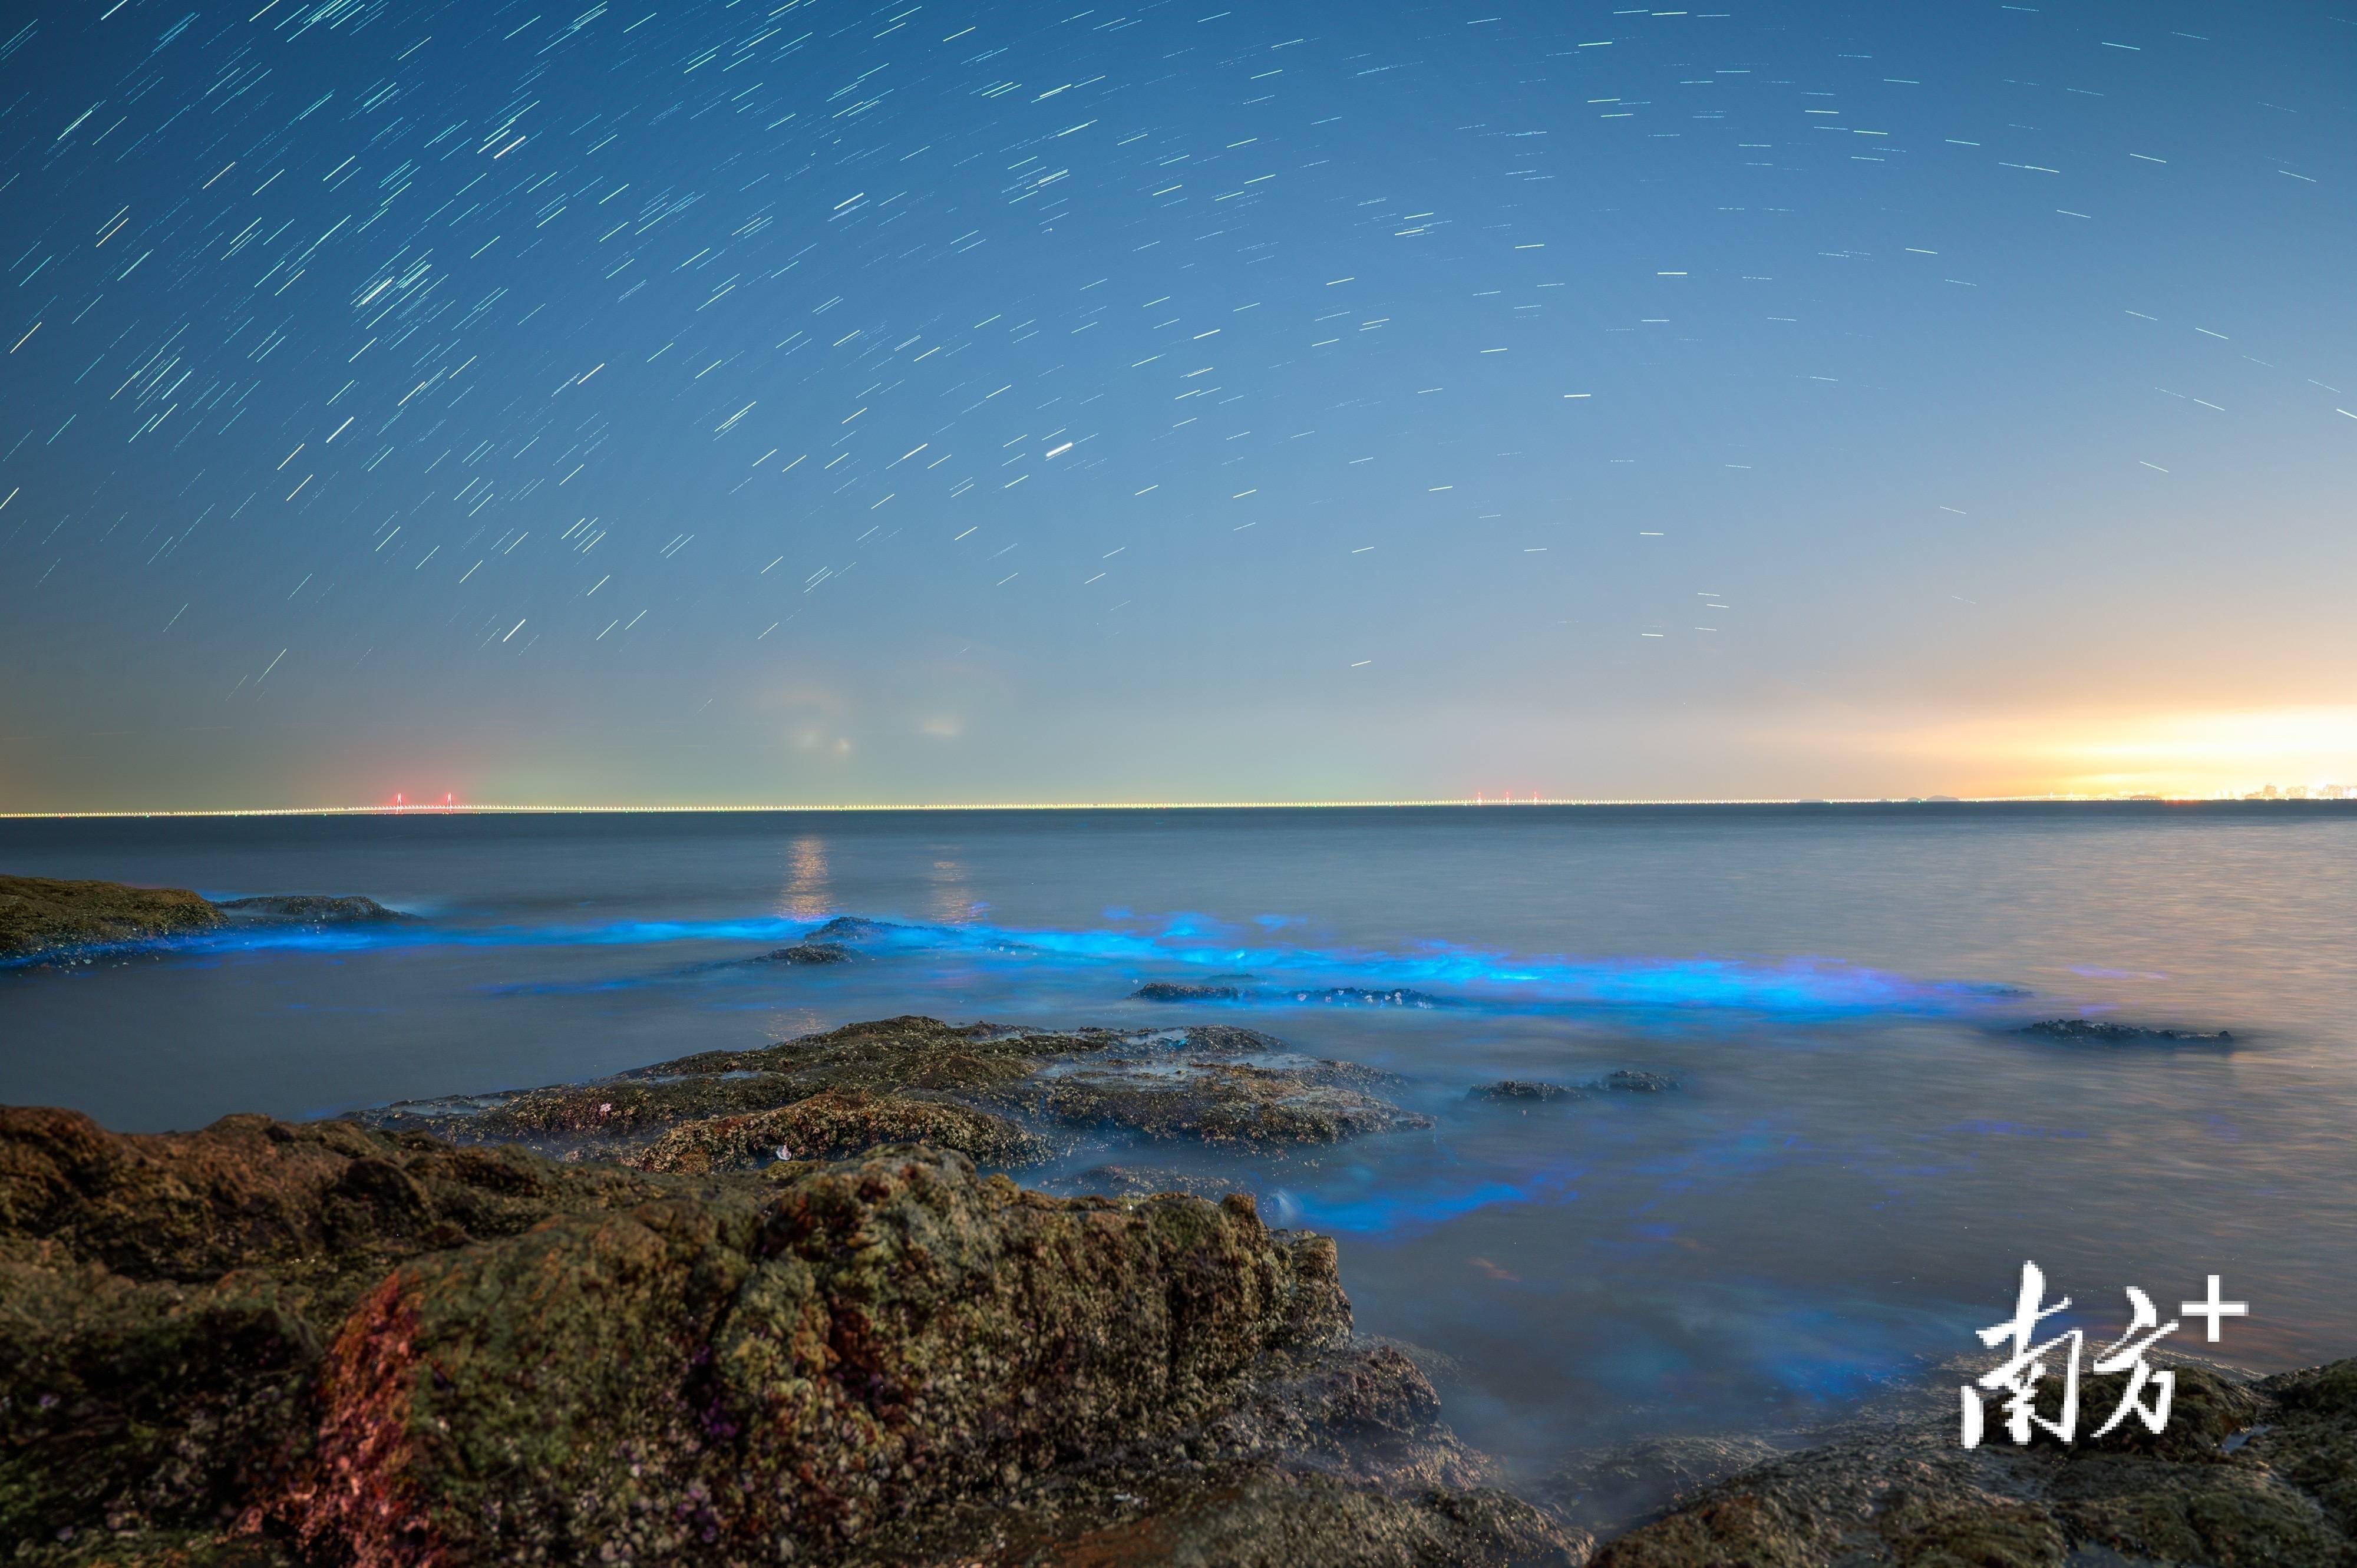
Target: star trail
{"type": "Point", "coordinates": [826, 403]}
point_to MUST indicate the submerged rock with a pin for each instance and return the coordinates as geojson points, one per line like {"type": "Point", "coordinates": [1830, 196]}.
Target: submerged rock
{"type": "Point", "coordinates": [1627, 1082]}
{"type": "Point", "coordinates": [1524, 1089]}
{"type": "Point", "coordinates": [41, 918]}
{"type": "Point", "coordinates": [852, 928]}
{"type": "Point", "coordinates": [1624, 1082]}
{"type": "Point", "coordinates": [1183, 991]}
{"type": "Point", "coordinates": [806, 952]}
{"type": "Point", "coordinates": [2102, 1032]}
{"type": "Point", "coordinates": [320, 1345]}
{"type": "Point", "coordinates": [2258, 1473]}
{"type": "Point", "coordinates": [311, 909]}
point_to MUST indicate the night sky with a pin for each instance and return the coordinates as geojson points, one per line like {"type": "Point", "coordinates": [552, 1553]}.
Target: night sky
{"type": "Point", "coordinates": [731, 402]}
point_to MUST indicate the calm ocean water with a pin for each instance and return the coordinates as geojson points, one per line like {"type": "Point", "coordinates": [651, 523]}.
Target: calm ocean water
{"type": "Point", "coordinates": [1862, 1155]}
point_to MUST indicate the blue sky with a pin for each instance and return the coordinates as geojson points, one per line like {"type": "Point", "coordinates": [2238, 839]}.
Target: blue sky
{"type": "Point", "coordinates": [814, 403]}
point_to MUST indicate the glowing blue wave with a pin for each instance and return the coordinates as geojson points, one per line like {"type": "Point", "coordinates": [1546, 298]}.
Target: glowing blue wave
{"type": "Point", "coordinates": [1410, 1212]}
{"type": "Point", "coordinates": [1814, 988]}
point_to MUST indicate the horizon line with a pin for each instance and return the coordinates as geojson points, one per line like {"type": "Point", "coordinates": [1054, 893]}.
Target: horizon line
{"type": "Point", "coordinates": [1470, 803]}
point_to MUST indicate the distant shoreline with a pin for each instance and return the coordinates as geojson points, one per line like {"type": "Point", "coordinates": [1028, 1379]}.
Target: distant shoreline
{"type": "Point", "coordinates": [2001, 802]}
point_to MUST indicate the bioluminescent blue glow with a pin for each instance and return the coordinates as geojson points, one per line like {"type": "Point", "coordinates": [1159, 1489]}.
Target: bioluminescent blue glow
{"type": "Point", "coordinates": [1447, 974]}
{"type": "Point", "coordinates": [1406, 1212]}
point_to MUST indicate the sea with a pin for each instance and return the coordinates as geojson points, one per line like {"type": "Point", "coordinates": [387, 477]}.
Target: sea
{"type": "Point", "coordinates": [1863, 1149]}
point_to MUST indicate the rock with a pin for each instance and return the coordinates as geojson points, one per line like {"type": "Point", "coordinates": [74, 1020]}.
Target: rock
{"type": "Point", "coordinates": [1144, 1181]}
{"type": "Point", "coordinates": [282, 1345]}
{"type": "Point", "coordinates": [1277, 1099]}
{"type": "Point", "coordinates": [41, 917]}
{"type": "Point", "coordinates": [311, 909]}
{"type": "Point", "coordinates": [1610, 1489]}
{"type": "Point", "coordinates": [1523, 1089]}
{"type": "Point", "coordinates": [2259, 1473]}
{"type": "Point", "coordinates": [852, 928]}
{"type": "Point", "coordinates": [1264, 1518]}
{"type": "Point", "coordinates": [834, 1123]}
{"type": "Point", "coordinates": [806, 952]}
{"type": "Point", "coordinates": [1623, 1081]}
{"type": "Point", "coordinates": [171, 1298]}
{"type": "Point", "coordinates": [1630, 1082]}
{"type": "Point", "coordinates": [1213, 1083]}
{"type": "Point", "coordinates": [2101, 1032]}
{"type": "Point", "coordinates": [1180, 991]}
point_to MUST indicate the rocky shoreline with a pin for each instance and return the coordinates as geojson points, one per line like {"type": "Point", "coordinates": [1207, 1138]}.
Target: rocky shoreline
{"type": "Point", "coordinates": [267, 1344]}
{"type": "Point", "coordinates": [790, 1304]}
{"type": "Point", "coordinates": [768, 1307]}
{"type": "Point", "coordinates": [44, 919]}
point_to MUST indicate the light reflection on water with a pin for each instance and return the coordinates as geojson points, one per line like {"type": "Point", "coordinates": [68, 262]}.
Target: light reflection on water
{"type": "Point", "coordinates": [806, 896]}
{"type": "Point", "coordinates": [1860, 1157]}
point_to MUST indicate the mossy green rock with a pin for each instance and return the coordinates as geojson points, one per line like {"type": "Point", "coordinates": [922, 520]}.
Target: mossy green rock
{"type": "Point", "coordinates": [39, 917]}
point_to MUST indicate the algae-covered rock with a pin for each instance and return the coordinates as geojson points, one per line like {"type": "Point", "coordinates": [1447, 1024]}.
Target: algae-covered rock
{"type": "Point", "coordinates": [853, 928]}
{"type": "Point", "coordinates": [311, 909]}
{"type": "Point", "coordinates": [2242, 1475]}
{"type": "Point", "coordinates": [274, 1345]}
{"type": "Point", "coordinates": [170, 1297]}
{"type": "Point", "coordinates": [1266, 1518]}
{"type": "Point", "coordinates": [1205, 1083]}
{"type": "Point", "coordinates": [1187, 990]}
{"type": "Point", "coordinates": [1217, 1101]}
{"type": "Point", "coordinates": [41, 918]}
{"type": "Point", "coordinates": [1528, 1091]}
{"type": "Point", "coordinates": [1525, 1089]}
{"type": "Point", "coordinates": [1144, 1181]}
{"type": "Point", "coordinates": [834, 1123]}
{"type": "Point", "coordinates": [1614, 1487]}
{"type": "Point", "coordinates": [2106, 1032]}
{"type": "Point", "coordinates": [806, 953]}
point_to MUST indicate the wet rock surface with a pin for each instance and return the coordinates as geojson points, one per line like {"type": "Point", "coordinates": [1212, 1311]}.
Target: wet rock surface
{"type": "Point", "coordinates": [41, 918]}
{"type": "Point", "coordinates": [1627, 1082]}
{"type": "Point", "coordinates": [1182, 991]}
{"type": "Point", "coordinates": [1609, 1490]}
{"type": "Point", "coordinates": [1204, 1083]}
{"type": "Point", "coordinates": [1517, 1089]}
{"type": "Point", "coordinates": [806, 952]}
{"type": "Point", "coordinates": [44, 919]}
{"type": "Point", "coordinates": [311, 909]}
{"type": "Point", "coordinates": [1524, 1090]}
{"type": "Point", "coordinates": [317, 1345]}
{"type": "Point", "coordinates": [2243, 1473]}
{"type": "Point", "coordinates": [853, 928]}
{"type": "Point", "coordinates": [835, 1123]}
{"type": "Point", "coordinates": [2104, 1032]}
{"type": "Point", "coordinates": [1144, 1181]}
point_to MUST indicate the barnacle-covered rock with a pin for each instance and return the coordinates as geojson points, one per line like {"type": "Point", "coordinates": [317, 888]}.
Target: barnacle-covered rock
{"type": "Point", "coordinates": [293, 1346]}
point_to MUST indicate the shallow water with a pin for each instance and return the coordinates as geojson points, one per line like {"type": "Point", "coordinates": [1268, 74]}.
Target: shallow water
{"type": "Point", "coordinates": [1861, 1155]}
